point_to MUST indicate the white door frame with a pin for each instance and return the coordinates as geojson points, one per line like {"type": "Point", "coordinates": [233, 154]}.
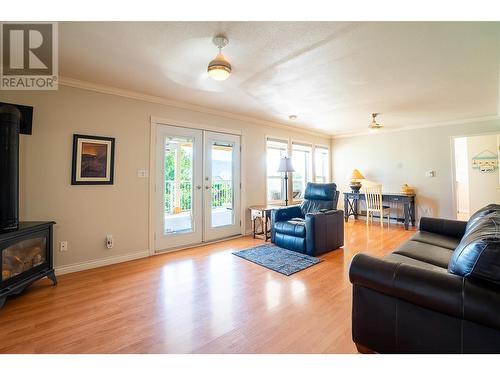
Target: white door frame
{"type": "Point", "coordinates": [154, 121]}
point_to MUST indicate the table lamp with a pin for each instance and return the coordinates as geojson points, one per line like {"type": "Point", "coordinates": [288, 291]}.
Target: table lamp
{"type": "Point", "coordinates": [285, 167]}
{"type": "Point", "coordinates": [355, 183]}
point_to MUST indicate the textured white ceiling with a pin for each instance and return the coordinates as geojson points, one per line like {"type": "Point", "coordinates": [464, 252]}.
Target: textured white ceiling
{"type": "Point", "coordinates": [332, 75]}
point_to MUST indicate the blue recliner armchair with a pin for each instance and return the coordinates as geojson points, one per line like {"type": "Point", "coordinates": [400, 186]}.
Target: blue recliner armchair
{"type": "Point", "coordinates": [313, 228]}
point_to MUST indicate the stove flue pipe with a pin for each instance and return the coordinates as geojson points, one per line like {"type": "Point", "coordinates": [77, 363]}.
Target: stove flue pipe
{"type": "Point", "coordinates": [10, 123]}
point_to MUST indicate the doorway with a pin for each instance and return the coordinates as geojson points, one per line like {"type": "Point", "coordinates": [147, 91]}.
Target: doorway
{"type": "Point", "coordinates": [461, 178]}
{"type": "Point", "coordinates": [197, 187]}
{"type": "Point", "coordinates": [476, 174]}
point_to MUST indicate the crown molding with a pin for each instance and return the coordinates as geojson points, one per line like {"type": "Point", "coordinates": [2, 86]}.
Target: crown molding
{"type": "Point", "coordinates": [105, 89]}
{"type": "Point", "coordinates": [413, 127]}
{"type": "Point", "coordinates": [111, 90]}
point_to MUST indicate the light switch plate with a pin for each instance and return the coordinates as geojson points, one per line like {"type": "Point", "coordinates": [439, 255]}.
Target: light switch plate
{"type": "Point", "coordinates": [142, 173]}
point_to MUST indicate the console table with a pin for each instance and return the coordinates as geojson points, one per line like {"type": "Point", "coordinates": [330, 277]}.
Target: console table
{"type": "Point", "coordinates": [352, 199]}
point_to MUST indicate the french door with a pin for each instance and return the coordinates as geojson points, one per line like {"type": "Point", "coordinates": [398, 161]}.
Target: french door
{"type": "Point", "coordinates": [197, 186]}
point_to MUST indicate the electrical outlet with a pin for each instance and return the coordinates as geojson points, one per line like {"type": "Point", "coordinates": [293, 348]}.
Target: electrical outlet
{"type": "Point", "coordinates": [63, 246]}
{"type": "Point", "coordinates": [142, 173]}
{"type": "Point", "coordinates": [109, 241]}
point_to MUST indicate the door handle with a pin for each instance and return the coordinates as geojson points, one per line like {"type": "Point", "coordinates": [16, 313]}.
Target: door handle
{"type": "Point", "coordinates": [198, 187]}
{"type": "Point", "coordinates": [207, 187]}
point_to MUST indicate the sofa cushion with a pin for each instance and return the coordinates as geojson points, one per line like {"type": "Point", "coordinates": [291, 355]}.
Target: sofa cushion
{"type": "Point", "coordinates": [436, 255]}
{"type": "Point", "coordinates": [436, 239]}
{"type": "Point", "coordinates": [398, 258]}
{"type": "Point", "coordinates": [291, 228]}
{"type": "Point", "coordinates": [478, 254]}
{"type": "Point", "coordinates": [491, 208]}
{"type": "Point", "coordinates": [444, 227]}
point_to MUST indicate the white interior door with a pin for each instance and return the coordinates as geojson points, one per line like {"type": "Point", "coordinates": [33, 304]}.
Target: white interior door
{"type": "Point", "coordinates": [197, 187]}
{"type": "Point", "coordinates": [221, 186]}
{"type": "Point", "coordinates": [179, 193]}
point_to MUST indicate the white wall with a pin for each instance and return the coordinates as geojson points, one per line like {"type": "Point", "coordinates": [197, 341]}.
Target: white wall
{"type": "Point", "coordinates": [85, 214]}
{"type": "Point", "coordinates": [395, 158]}
{"type": "Point", "coordinates": [483, 187]}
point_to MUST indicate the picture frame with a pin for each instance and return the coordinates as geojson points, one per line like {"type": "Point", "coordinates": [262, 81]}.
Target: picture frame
{"type": "Point", "coordinates": [93, 160]}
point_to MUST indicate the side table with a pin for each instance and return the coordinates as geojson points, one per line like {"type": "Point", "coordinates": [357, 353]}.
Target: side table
{"type": "Point", "coordinates": [262, 214]}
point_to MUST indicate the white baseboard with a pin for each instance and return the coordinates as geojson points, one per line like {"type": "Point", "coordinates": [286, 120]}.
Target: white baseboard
{"type": "Point", "coordinates": [100, 262]}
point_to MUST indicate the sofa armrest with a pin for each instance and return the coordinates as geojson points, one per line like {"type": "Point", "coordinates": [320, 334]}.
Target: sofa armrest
{"type": "Point", "coordinates": [322, 212]}
{"type": "Point", "coordinates": [435, 290]}
{"type": "Point", "coordinates": [445, 227]}
{"type": "Point", "coordinates": [464, 298]}
{"type": "Point", "coordinates": [324, 231]}
{"type": "Point", "coordinates": [285, 213]}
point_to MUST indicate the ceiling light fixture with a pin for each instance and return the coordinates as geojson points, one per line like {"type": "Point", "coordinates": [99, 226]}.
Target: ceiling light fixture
{"type": "Point", "coordinates": [292, 117]}
{"type": "Point", "coordinates": [374, 126]}
{"type": "Point", "coordinates": [219, 68]}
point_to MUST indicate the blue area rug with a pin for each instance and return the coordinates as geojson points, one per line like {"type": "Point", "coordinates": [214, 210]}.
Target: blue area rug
{"type": "Point", "coordinates": [275, 258]}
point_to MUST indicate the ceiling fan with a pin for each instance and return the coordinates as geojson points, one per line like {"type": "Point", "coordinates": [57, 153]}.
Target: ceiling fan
{"type": "Point", "coordinates": [189, 63]}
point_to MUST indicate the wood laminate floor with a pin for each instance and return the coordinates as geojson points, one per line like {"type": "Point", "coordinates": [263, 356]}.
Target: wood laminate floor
{"type": "Point", "coordinates": [201, 300]}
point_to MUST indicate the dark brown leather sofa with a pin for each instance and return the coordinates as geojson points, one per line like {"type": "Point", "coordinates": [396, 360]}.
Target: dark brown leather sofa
{"type": "Point", "coordinates": [437, 293]}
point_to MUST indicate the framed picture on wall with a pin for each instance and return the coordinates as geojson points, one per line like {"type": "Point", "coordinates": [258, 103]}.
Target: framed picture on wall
{"type": "Point", "coordinates": [93, 160]}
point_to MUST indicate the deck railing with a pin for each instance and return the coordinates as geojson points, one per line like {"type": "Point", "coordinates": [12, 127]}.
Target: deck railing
{"type": "Point", "coordinates": [183, 189]}
{"type": "Point", "coordinates": [222, 195]}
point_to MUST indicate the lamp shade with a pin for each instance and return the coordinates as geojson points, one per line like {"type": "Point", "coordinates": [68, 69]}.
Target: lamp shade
{"type": "Point", "coordinates": [356, 175]}
{"type": "Point", "coordinates": [286, 165]}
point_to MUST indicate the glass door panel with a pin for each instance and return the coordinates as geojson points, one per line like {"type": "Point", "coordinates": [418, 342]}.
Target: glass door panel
{"type": "Point", "coordinates": [178, 187]}
{"type": "Point", "coordinates": [222, 209]}
{"type": "Point", "coordinates": [178, 184]}
{"type": "Point", "coordinates": [222, 186]}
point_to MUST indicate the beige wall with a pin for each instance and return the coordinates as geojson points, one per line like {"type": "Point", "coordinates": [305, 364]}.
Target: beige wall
{"type": "Point", "coordinates": [395, 158]}
{"type": "Point", "coordinates": [85, 214]}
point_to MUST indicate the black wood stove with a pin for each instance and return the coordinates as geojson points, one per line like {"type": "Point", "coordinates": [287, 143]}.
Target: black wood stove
{"type": "Point", "coordinates": [26, 247]}
{"type": "Point", "coordinates": [26, 255]}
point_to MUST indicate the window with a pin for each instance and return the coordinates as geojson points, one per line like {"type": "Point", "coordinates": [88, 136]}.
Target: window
{"type": "Point", "coordinates": [275, 150]}
{"type": "Point", "coordinates": [304, 156]}
{"type": "Point", "coordinates": [302, 163]}
{"type": "Point", "coordinates": [321, 163]}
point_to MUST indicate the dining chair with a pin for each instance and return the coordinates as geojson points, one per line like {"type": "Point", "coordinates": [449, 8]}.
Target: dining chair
{"type": "Point", "coordinates": [373, 199]}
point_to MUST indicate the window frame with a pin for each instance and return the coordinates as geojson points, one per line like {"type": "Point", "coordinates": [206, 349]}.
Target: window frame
{"type": "Point", "coordinates": [311, 171]}
{"type": "Point", "coordinates": [289, 150]}
{"type": "Point", "coordinates": [328, 162]}
{"type": "Point", "coordinates": [286, 142]}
